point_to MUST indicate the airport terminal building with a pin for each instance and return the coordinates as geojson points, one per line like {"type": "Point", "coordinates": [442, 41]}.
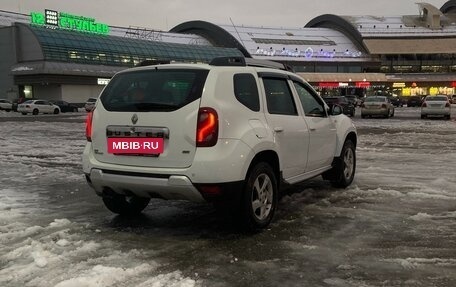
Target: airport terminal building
{"type": "Point", "coordinates": [57, 55]}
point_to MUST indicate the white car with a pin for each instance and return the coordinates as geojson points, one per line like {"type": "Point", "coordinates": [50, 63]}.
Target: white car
{"type": "Point", "coordinates": [90, 104]}
{"type": "Point", "coordinates": [38, 106]}
{"type": "Point", "coordinates": [436, 106]}
{"type": "Point", "coordinates": [223, 132]}
{"type": "Point", "coordinates": [6, 105]}
{"type": "Point", "coordinates": [377, 106]}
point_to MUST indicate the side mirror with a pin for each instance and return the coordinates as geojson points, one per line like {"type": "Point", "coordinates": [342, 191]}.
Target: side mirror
{"type": "Point", "coordinates": [336, 110]}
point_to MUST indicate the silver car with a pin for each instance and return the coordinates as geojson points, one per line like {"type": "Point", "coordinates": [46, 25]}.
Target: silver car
{"type": "Point", "coordinates": [6, 105]}
{"type": "Point", "coordinates": [436, 106]}
{"type": "Point", "coordinates": [377, 106]}
{"type": "Point", "coordinates": [90, 104]}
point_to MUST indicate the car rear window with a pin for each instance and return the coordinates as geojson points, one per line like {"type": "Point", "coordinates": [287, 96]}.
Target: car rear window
{"type": "Point", "coordinates": [153, 90]}
{"type": "Point", "coordinates": [436, 98]}
{"type": "Point", "coordinates": [375, 99]}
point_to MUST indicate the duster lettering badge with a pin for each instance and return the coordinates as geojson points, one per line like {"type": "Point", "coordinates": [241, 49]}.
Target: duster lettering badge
{"type": "Point", "coordinates": [135, 145]}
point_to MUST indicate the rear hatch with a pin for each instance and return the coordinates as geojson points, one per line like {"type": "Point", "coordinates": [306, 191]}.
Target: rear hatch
{"type": "Point", "coordinates": [153, 105]}
{"type": "Point", "coordinates": [374, 103]}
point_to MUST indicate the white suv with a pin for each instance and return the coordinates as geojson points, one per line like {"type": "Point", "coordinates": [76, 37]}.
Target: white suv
{"type": "Point", "coordinates": [228, 132]}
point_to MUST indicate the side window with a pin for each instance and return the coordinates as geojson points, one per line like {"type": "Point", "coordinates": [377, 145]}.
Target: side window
{"type": "Point", "coordinates": [279, 97]}
{"type": "Point", "coordinates": [310, 103]}
{"type": "Point", "coordinates": [39, 103]}
{"type": "Point", "coordinates": [246, 91]}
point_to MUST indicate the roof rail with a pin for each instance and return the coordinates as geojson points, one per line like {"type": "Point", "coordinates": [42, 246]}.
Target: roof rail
{"type": "Point", "coordinates": [152, 62]}
{"type": "Point", "coordinates": [228, 61]}
{"type": "Point", "coordinates": [266, 64]}
{"type": "Point", "coordinates": [241, 61]}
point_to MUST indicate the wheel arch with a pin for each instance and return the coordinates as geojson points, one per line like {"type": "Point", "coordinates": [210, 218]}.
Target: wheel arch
{"type": "Point", "coordinates": [352, 136]}
{"type": "Point", "coordinates": [270, 157]}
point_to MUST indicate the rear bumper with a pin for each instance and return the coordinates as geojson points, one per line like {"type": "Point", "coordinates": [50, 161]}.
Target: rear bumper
{"type": "Point", "coordinates": [374, 112]}
{"type": "Point", "coordinates": [171, 187]}
{"type": "Point", "coordinates": [176, 187]}
{"type": "Point", "coordinates": [435, 112]}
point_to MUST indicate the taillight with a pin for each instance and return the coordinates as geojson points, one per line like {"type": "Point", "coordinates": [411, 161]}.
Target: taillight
{"type": "Point", "coordinates": [207, 127]}
{"type": "Point", "coordinates": [424, 105]}
{"type": "Point", "coordinates": [89, 126]}
{"type": "Point", "coordinates": [384, 106]}
{"type": "Point", "coordinates": [447, 105]}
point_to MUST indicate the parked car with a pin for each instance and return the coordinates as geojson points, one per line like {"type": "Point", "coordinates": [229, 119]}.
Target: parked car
{"type": "Point", "coordinates": [377, 106]}
{"type": "Point", "coordinates": [6, 105]}
{"type": "Point", "coordinates": [436, 106]}
{"type": "Point", "coordinates": [352, 99]}
{"type": "Point", "coordinates": [38, 106]}
{"type": "Point", "coordinates": [223, 132]}
{"type": "Point", "coordinates": [396, 101]}
{"type": "Point", "coordinates": [453, 99]}
{"type": "Point", "coordinates": [414, 101]}
{"type": "Point", "coordinates": [65, 106]}
{"type": "Point", "coordinates": [348, 107]}
{"type": "Point", "coordinates": [90, 104]}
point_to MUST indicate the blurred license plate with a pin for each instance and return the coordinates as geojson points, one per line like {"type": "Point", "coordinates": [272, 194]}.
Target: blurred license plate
{"type": "Point", "coordinates": [141, 146]}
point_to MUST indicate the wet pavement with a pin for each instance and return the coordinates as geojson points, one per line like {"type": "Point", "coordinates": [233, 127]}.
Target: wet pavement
{"type": "Point", "coordinates": [394, 226]}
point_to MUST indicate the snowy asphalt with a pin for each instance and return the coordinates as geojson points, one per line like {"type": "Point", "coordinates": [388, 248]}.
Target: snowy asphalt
{"type": "Point", "coordinates": [394, 226]}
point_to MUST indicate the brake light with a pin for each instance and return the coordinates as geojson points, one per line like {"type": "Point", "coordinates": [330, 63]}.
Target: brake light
{"type": "Point", "coordinates": [207, 127]}
{"type": "Point", "coordinates": [447, 105]}
{"type": "Point", "coordinates": [89, 126]}
{"type": "Point", "coordinates": [424, 105]}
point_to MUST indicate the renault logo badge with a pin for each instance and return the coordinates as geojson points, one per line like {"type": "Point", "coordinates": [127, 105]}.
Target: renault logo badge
{"type": "Point", "coordinates": [134, 118]}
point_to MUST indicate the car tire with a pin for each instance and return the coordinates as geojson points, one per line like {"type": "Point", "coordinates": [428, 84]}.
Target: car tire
{"type": "Point", "coordinates": [259, 198]}
{"type": "Point", "coordinates": [344, 167]}
{"type": "Point", "coordinates": [423, 116]}
{"type": "Point", "coordinates": [392, 114]}
{"type": "Point", "coordinates": [56, 111]}
{"type": "Point", "coordinates": [363, 116]}
{"type": "Point", "coordinates": [35, 112]}
{"type": "Point", "coordinates": [125, 205]}
{"type": "Point", "coordinates": [448, 117]}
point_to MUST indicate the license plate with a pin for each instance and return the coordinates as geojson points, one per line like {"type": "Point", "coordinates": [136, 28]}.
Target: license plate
{"type": "Point", "coordinates": [140, 146]}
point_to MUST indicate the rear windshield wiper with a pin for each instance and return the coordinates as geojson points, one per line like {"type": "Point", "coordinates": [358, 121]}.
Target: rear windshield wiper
{"type": "Point", "coordinates": [154, 107]}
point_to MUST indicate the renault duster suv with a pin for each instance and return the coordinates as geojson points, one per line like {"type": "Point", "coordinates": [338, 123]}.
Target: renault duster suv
{"type": "Point", "coordinates": [228, 132]}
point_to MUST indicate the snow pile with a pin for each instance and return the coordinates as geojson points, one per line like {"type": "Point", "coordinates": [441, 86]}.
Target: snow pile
{"type": "Point", "coordinates": [59, 253]}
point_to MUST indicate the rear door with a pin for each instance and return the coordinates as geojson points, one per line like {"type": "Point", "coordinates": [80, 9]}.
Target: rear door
{"type": "Point", "coordinates": [291, 134]}
{"type": "Point", "coordinates": [323, 133]}
{"type": "Point", "coordinates": [158, 106]}
{"type": "Point", "coordinates": [41, 106]}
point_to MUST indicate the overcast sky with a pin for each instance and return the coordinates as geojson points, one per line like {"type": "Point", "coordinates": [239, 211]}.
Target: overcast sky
{"type": "Point", "coordinates": [165, 14]}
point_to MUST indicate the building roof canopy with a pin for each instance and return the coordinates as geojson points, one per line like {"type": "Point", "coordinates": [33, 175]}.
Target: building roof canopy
{"type": "Point", "coordinates": [76, 47]}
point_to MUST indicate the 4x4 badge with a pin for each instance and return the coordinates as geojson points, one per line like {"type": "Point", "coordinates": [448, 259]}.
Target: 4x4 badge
{"type": "Point", "coordinates": [134, 118]}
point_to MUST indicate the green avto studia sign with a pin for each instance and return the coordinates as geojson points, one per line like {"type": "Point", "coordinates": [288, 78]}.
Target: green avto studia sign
{"type": "Point", "coordinates": [54, 19]}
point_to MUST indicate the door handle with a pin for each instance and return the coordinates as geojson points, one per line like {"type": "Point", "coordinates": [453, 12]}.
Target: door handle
{"type": "Point", "coordinates": [278, 129]}
{"type": "Point", "coordinates": [312, 129]}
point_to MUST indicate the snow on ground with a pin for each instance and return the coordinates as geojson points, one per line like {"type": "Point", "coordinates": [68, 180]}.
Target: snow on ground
{"type": "Point", "coordinates": [394, 226]}
{"type": "Point", "coordinates": [35, 156]}
{"type": "Point", "coordinates": [65, 254]}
